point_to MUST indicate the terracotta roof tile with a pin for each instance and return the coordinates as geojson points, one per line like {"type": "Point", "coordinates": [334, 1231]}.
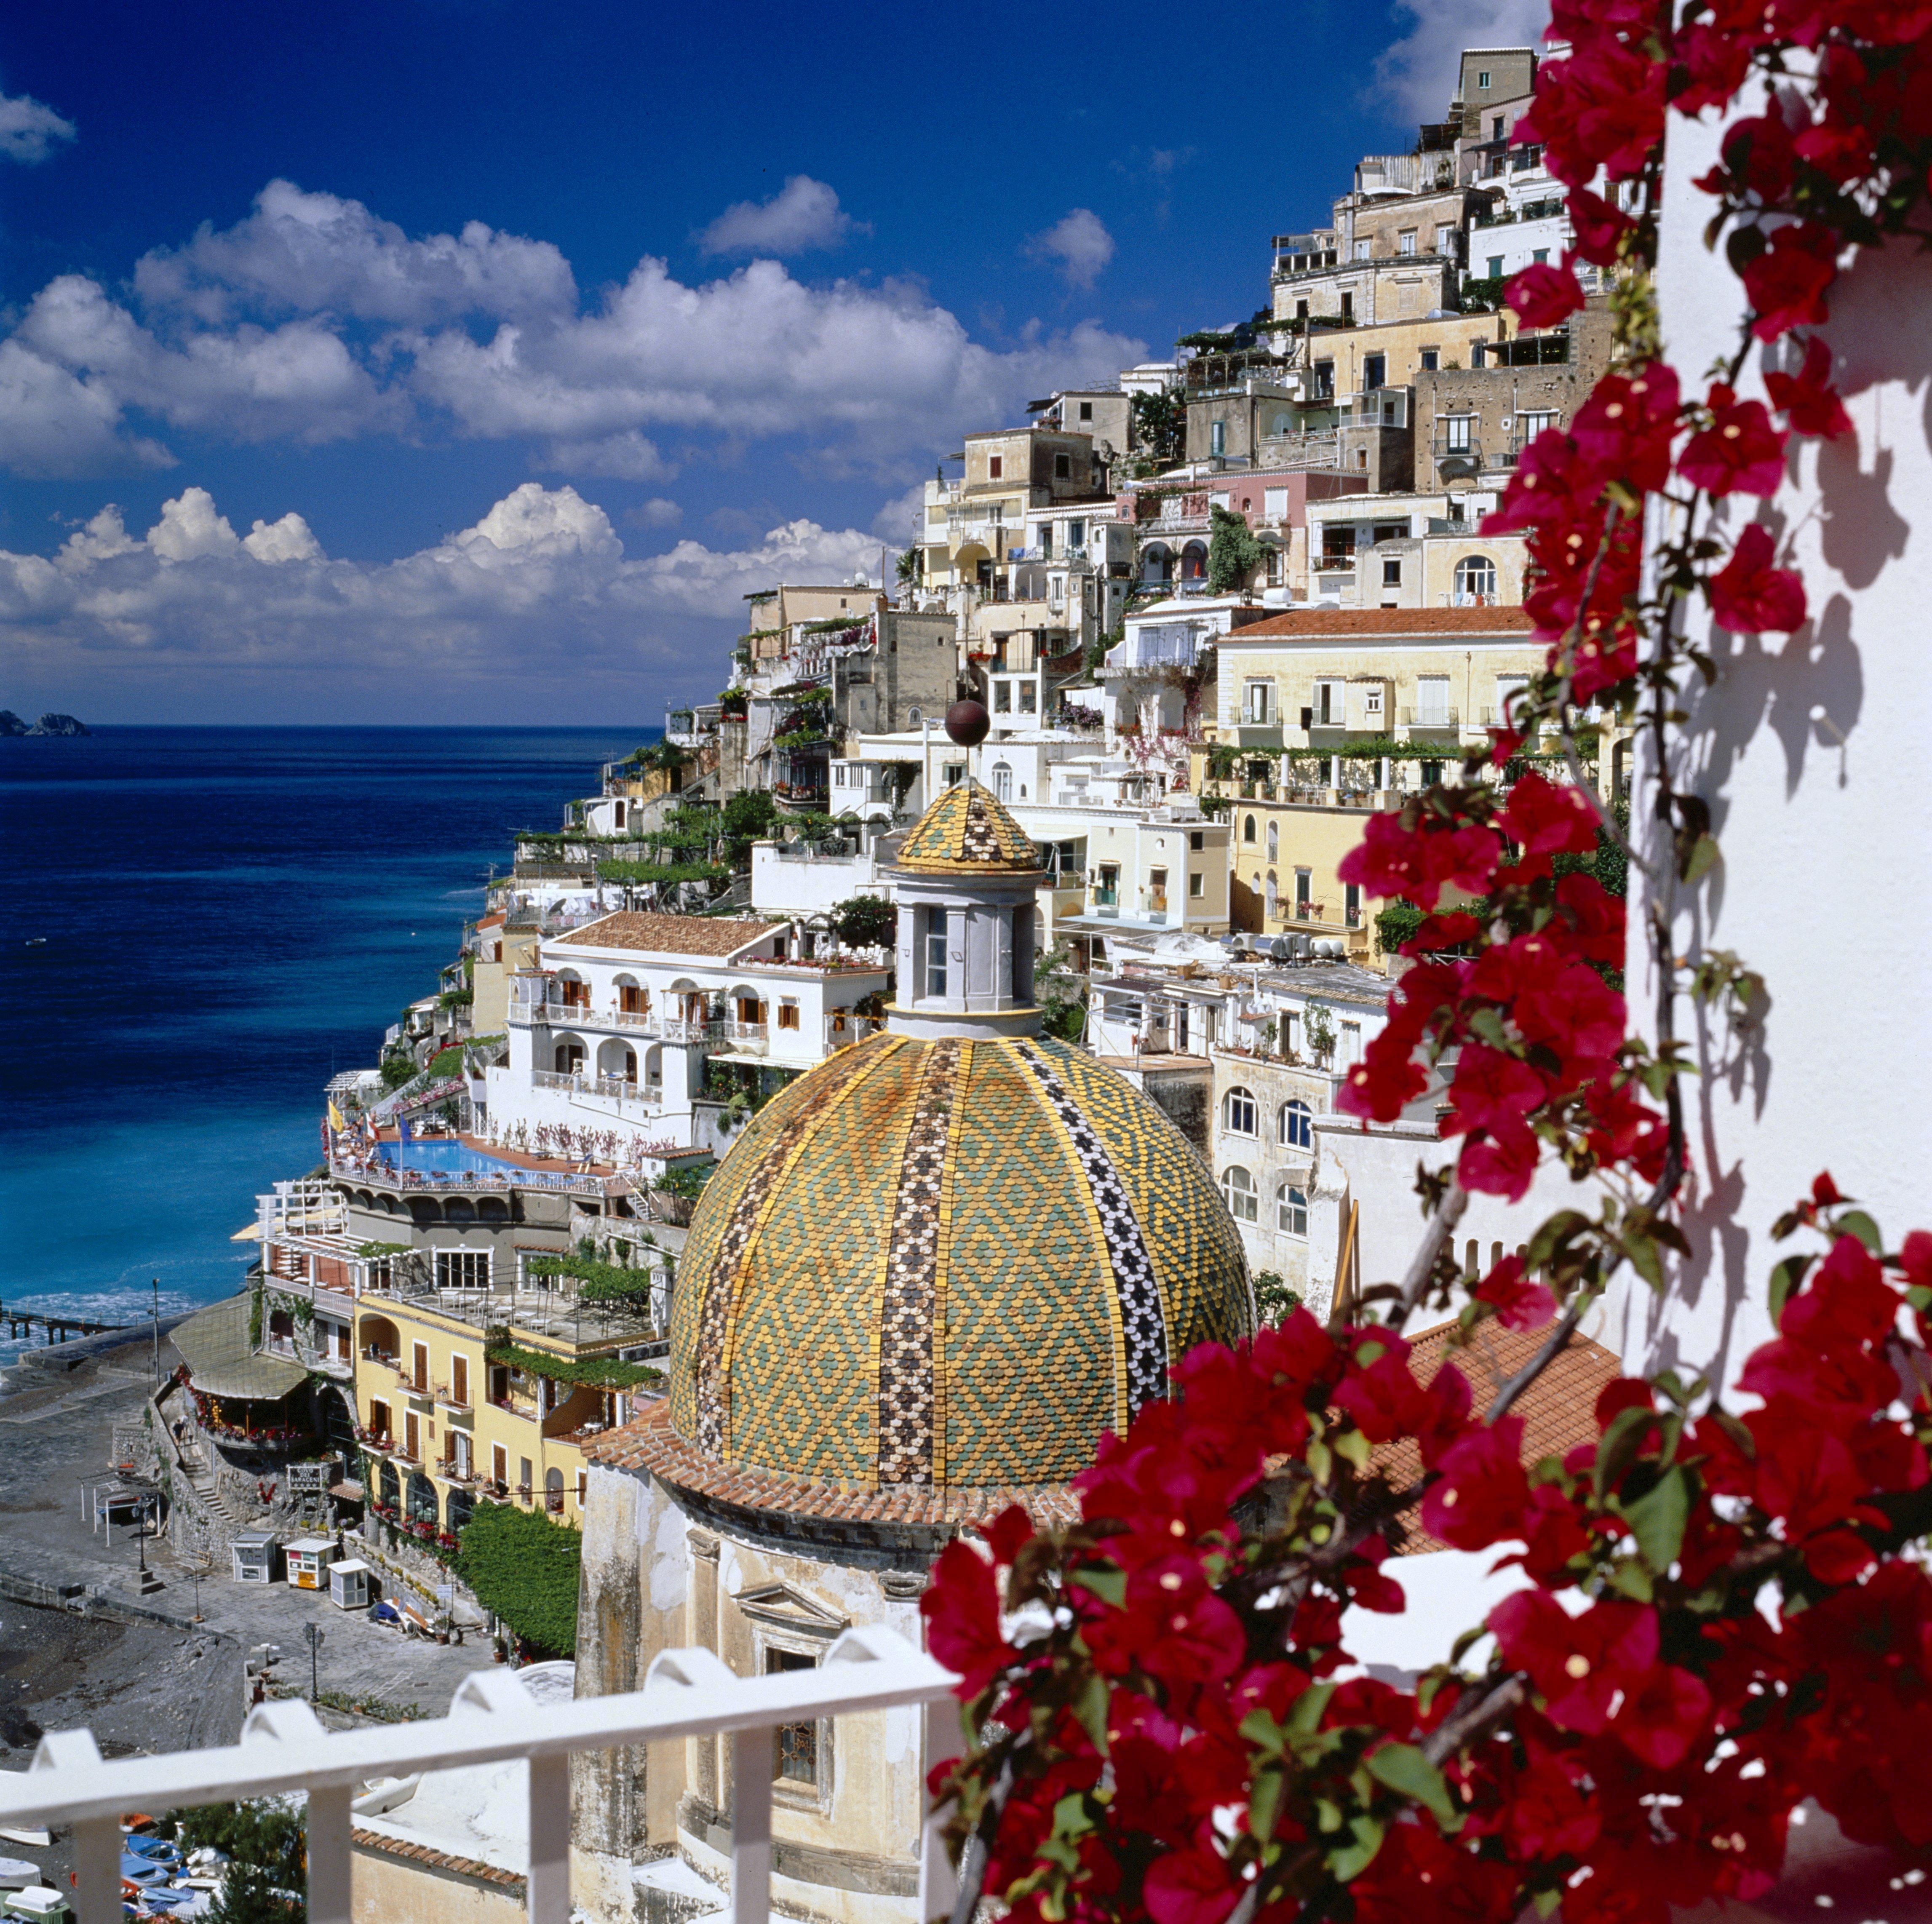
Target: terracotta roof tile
{"type": "Point", "coordinates": [420, 1853]}
{"type": "Point", "coordinates": [1559, 1410]}
{"type": "Point", "coordinates": [1323, 624]}
{"type": "Point", "coordinates": [648, 1442]}
{"type": "Point", "coordinates": [666, 935]}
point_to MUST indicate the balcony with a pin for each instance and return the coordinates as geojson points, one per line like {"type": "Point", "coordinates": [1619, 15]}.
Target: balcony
{"type": "Point", "coordinates": [1427, 719]}
{"type": "Point", "coordinates": [747, 1038]}
{"type": "Point", "coordinates": [613, 1088]}
{"type": "Point", "coordinates": [552, 1014]}
{"type": "Point", "coordinates": [842, 1030]}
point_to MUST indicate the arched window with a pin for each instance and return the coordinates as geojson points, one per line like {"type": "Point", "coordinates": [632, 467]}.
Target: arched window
{"type": "Point", "coordinates": [569, 1058]}
{"type": "Point", "coordinates": [1291, 1212]}
{"type": "Point", "coordinates": [1475, 581]}
{"type": "Point", "coordinates": [1248, 829]}
{"type": "Point", "coordinates": [1194, 561]}
{"type": "Point", "coordinates": [1003, 782]}
{"type": "Point", "coordinates": [1274, 842]}
{"type": "Point", "coordinates": [1238, 1113]}
{"type": "Point", "coordinates": [1297, 1126]}
{"type": "Point", "coordinates": [1243, 1198]}
{"type": "Point", "coordinates": [1271, 894]}
{"type": "Point", "coordinates": [553, 1492]}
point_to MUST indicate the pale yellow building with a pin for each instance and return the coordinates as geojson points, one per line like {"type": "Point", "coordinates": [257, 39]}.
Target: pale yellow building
{"type": "Point", "coordinates": [1319, 679]}
{"type": "Point", "coordinates": [468, 1395]}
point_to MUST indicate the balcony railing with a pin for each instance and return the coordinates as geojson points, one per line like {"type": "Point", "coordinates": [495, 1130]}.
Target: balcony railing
{"type": "Point", "coordinates": [1426, 718]}
{"type": "Point", "coordinates": [553, 1014]}
{"type": "Point", "coordinates": [842, 1030]}
{"type": "Point", "coordinates": [613, 1088]}
{"type": "Point", "coordinates": [285, 1750]}
{"type": "Point", "coordinates": [751, 1038]}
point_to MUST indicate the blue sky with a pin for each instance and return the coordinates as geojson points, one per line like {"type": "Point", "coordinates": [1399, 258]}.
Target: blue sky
{"type": "Point", "coordinates": [458, 362]}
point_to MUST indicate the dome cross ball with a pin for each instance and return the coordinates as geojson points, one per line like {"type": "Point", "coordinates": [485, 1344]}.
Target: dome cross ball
{"type": "Point", "coordinates": [946, 1266]}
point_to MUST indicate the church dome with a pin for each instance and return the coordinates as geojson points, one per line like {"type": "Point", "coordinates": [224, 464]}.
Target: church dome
{"type": "Point", "coordinates": [936, 1270]}
{"type": "Point", "coordinates": [967, 831]}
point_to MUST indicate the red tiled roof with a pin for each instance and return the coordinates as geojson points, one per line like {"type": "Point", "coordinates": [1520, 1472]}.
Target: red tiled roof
{"type": "Point", "coordinates": [648, 1442]}
{"type": "Point", "coordinates": [1559, 1410]}
{"type": "Point", "coordinates": [666, 935]}
{"type": "Point", "coordinates": [1322, 624]}
{"type": "Point", "coordinates": [508, 1881]}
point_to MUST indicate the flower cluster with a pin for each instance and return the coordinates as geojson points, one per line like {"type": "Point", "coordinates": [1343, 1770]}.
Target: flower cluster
{"type": "Point", "coordinates": [1719, 1621]}
{"type": "Point", "coordinates": [1536, 1034]}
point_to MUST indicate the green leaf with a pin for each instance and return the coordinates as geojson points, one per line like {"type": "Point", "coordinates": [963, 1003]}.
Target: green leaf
{"type": "Point", "coordinates": [1353, 1858]}
{"type": "Point", "coordinates": [1305, 1713]}
{"type": "Point", "coordinates": [1265, 1802]}
{"type": "Point", "coordinates": [1787, 1278]}
{"type": "Point", "coordinates": [1405, 1769]}
{"type": "Point", "coordinates": [1657, 1520]}
{"type": "Point", "coordinates": [1629, 1578]}
{"type": "Point", "coordinates": [1698, 859]}
{"type": "Point", "coordinates": [1090, 1707]}
{"type": "Point", "coordinates": [1547, 1901]}
{"type": "Point", "coordinates": [1107, 1583]}
{"type": "Point", "coordinates": [1353, 1447]}
{"type": "Point", "coordinates": [1618, 1450]}
{"type": "Point", "coordinates": [1856, 1222]}
{"type": "Point", "coordinates": [1262, 1731]}
{"type": "Point", "coordinates": [1071, 1816]}
{"type": "Point", "coordinates": [1319, 1459]}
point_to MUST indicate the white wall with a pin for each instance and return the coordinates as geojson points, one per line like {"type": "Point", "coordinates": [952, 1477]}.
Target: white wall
{"type": "Point", "coordinates": [1811, 753]}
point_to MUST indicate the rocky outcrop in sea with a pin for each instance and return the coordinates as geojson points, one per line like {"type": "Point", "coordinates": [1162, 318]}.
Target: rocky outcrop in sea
{"type": "Point", "coordinates": [10, 724]}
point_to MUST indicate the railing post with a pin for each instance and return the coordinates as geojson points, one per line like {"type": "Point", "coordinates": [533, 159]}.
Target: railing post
{"type": "Point", "coordinates": [329, 1873]}
{"type": "Point", "coordinates": [751, 1826]}
{"type": "Point", "coordinates": [547, 1890]}
{"type": "Point", "coordinates": [96, 1865]}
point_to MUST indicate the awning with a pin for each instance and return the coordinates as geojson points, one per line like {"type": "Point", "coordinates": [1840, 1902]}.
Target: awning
{"type": "Point", "coordinates": [221, 1362]}
{"type": "Point", "coordinates": [252, 1234]}
{"type": "Point", "coordinates": [349, 1492]}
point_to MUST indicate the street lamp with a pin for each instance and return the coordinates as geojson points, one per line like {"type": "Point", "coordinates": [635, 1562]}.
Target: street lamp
{"type": "Point", "coordinates": [314, 1633]}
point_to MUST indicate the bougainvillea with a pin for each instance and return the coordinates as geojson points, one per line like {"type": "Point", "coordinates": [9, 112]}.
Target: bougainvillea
{"type": "Point", "coordinates": [1726, 1608]}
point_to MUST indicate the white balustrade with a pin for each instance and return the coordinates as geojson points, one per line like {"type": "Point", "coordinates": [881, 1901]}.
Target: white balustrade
{"type": "Point", "coordinates": [285, 1750]}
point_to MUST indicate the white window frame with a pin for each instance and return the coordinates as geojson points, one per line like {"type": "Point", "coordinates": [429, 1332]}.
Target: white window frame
{"type": "Point", "coordinates": [1291, 1216]}
{"type": "Point", "coordinates": [1244, 1199]}
{"type": "Point", "coordinates": [1240, 1114]}
{"type": "Point", "coordinates": [1294, 1126]}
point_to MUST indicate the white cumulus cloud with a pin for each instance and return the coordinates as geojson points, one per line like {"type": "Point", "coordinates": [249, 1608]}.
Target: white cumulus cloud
{"type": "Point", "coordinates": [306, 254]}
{"type": "Point", "coordinates": [30, 131]}
{"type": "Point", "coordinates": [312, 321]}
{"type": "Point", "coordinates": [803, 215]}
{"type": "Point", "coordinates": [1079, 243]}
{"type": "Point", "coordinates": [540, 583]}
{"type": "Point", "coordinates": [1418, 74]}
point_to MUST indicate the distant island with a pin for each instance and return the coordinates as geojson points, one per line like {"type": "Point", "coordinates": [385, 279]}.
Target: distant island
{"type": "Point", "coordinates": [10, 724]}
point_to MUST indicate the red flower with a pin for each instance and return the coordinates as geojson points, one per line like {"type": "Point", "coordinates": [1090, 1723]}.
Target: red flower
{"type": "Point", "coordinates": [1519, 1303]}
{"type": "Point", "coordinates": [1543, 295]}
{"type": "Point", "coordinates": [1191, 1886]}
{"type": "Point", "coordinates": [1600, 227]}
{"type": "Point", "coordinates": [1545, 819]}
{"type": "Point", "coordinates": [1749, 596]}
{"type": "Point", "coordinates": [962, 1609]}
{"type": "Point", "coordinates": [1624, 431]}
{"type": "Point", "coordinates": [1173, 1626]}
{"type": "Point", "coordinates": [1807, 399]}
{"type": "Point", "coordinates": [1741, 452]}
{"type": "Point", "coordinates": [1483, 1491]}
{"type": "Point", "coordinates": [1758, 158]}
{"type": "Point", "coordinates": [1714, 61]}
{"type": "Point", "coordinates": [1786, 284]}
{"type": "Point", "coordinates": [1385, 1081]}
{"type": "Point", "coordinates": [1419, 862]}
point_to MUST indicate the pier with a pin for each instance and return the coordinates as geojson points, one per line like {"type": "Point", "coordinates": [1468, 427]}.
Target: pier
{"type": "Point", "coordinates": [59, 1325]}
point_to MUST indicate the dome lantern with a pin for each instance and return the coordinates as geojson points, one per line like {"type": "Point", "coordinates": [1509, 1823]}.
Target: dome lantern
{"type": "Point", "coordinates": [966, 882]}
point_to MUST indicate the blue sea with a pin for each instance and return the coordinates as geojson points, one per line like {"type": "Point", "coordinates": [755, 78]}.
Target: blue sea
{"type": "Point", "coordinates": [200, 927]}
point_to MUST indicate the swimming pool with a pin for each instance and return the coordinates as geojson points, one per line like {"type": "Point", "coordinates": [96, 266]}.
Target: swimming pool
{"type": "Point", "coordinates": [441, 1155]}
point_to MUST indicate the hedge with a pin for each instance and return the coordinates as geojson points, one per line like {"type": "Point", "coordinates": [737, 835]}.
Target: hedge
{"type": "Point", "coordinates": [603, 1281]}
{"type": "Point", "coordinates": [524, 1568]}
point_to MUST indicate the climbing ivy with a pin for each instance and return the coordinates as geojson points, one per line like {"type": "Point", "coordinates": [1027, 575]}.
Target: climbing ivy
{"type": "Point", "coordinates": [524, 1569]}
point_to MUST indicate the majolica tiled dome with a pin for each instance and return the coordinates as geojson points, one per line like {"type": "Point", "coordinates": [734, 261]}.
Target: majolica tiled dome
{"type": "Point", "coordinates": [967, 831]}
{"type": "Point", "coordinates": [946, 1264]}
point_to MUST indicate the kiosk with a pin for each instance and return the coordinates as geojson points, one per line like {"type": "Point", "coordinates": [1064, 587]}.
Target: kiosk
{"type": "Point", "coordinates": [352, 1585]}
{"type": "Point", "coordinates": [256, 1553]}
{"type": "Point", "coordinates": [309, 1559]}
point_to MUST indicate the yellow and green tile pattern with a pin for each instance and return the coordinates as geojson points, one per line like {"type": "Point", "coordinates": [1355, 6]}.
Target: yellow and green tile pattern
{"type": "Point", "coordinates": [944, 1264]}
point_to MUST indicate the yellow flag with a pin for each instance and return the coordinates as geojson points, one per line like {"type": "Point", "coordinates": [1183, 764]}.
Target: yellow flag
{"type": "Point", "coordinates": [335, 1120]}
